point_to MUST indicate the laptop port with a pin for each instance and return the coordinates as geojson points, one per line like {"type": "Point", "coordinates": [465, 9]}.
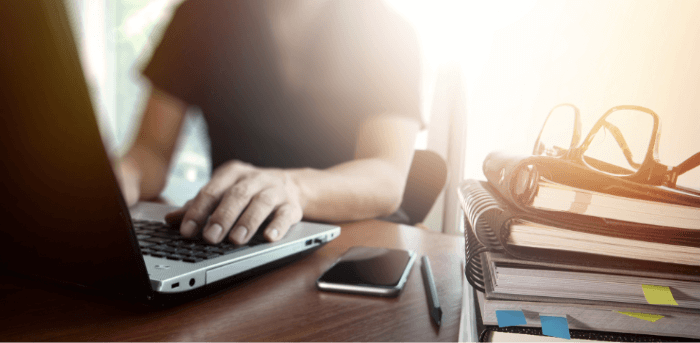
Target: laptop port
{"type": "Point", "coordinates": [175, 285]}
{"type": "Point", "coordinates": [318, 240]}
{"type": "Point", "coordinates": [308, 242]}
{"type": "Point", "coordinates": [191, 282]}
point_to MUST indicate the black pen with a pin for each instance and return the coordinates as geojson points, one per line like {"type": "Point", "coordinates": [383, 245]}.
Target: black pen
{"type": "Point", "coordinates": [429, 282]}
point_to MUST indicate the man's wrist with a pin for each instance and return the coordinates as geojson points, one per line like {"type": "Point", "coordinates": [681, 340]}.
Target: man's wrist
{"type": "Point", "coordinates": [297, 179]}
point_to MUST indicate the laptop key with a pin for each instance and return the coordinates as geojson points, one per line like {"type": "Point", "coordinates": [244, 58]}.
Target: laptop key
{"type": "Point", "coordinates": [192, 259]}
{"type": "Point", "coordinates": [166, 234]}
{"type": "Point", "coordinates": [185, 252]}
{"type": "Point", "coordinates": [145, 244]}
{"type": "Point", "coordinates": [190, 244]}
{"type": "Point", "coordinates": [177, 243]}
{"type": "Point", "coordinates": [215, 249]}
{"type": "Point", "coordinates": [175, 257]}
{"type": "Point", "coordinates": [168, 249]}
{"type": "Point", "coordinates": [156, 240]}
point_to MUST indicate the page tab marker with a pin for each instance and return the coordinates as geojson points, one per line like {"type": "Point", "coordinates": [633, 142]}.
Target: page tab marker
{"type": "Point", "coordinates": [555, 327]}
{"type": "Point", "coordinates": [644, 316]}
{"type": "Point", "coordinates": [510, 318]}
{"type": "Point", "coordinates": [658, 295]}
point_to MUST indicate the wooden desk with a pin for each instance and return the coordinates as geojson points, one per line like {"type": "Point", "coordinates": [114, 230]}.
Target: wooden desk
{"type": "Point", "coordinates": [281, 305]}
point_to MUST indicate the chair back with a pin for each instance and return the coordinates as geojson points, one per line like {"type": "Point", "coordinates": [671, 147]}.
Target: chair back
{"type": "Point", "coordinates": [425, 181]}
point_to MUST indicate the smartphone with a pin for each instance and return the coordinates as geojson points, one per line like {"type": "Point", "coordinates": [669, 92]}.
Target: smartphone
{"type": "Point", "coordinates": [367, 270]}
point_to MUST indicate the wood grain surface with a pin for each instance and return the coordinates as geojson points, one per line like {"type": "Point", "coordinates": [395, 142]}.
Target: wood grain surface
{"type": "Point", "coordinates": [280, 305]}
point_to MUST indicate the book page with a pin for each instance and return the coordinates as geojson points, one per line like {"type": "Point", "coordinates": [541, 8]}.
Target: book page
{"type": "Point", "coordinates": [495, 336]}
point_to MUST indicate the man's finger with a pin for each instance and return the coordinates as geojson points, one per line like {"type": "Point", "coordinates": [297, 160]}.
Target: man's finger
{"type": "Point", "coordinates": [175, 217]}
{"type": "Point", "coordinates": [207, 199]}
{"type": "Point", "coordinates": [285, 216]}
{"type": "Point", "coordinates": [261, 205]}
{"type": "Point", "coordinates": [232, 204]}
{"type": "Point", "coordinates": [202, 205]}
{"type": "Point", "coordinates": [209, 196]}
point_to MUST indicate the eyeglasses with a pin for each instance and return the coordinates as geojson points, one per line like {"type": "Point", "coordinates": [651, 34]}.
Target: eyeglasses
{"type": "Point", "coordinates": [624, 142]}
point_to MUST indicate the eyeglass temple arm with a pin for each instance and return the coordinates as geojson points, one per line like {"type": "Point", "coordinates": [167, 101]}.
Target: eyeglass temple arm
{"type": "Point", "coordinates": [672, 175]}
{"type": "Point", "coordinates": [622, 143]}
{"type": "Point", "coordinates": [690, 163]}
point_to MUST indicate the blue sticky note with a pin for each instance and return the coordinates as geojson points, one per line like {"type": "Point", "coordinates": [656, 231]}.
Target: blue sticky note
{"type": "Point", "coordinates": [555, 327]}
{"type": "Point", "coordinates": [510, 318]}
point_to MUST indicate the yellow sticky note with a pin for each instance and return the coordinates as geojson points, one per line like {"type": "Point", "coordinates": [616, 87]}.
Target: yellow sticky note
{"type": "Point", "coordinates": [645, 316]}
{"type": "Point", "coordinates": [658, 295]}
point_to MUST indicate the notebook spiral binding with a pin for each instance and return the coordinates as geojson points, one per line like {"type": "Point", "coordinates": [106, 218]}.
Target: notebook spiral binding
{"type": "Point", "coordinates": [479, 237]}
{"type": "Point", "coordinates": [473, 249]}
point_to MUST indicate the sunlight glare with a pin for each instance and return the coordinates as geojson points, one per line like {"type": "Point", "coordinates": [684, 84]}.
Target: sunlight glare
{"type": "Point", "coordinates": [450, 30]}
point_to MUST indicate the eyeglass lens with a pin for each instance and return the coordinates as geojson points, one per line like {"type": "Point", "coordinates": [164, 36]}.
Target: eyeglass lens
{"type": "Point", "coordinates": [557, 134]}
{"type": "Point", "coordinates": [621, 143]}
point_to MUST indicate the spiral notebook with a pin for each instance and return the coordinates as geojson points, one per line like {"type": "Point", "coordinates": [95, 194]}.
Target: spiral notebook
{"type": "Point", "coordinates": [488, 221]}
{"type": "Point", "coordinates": [575, 239]}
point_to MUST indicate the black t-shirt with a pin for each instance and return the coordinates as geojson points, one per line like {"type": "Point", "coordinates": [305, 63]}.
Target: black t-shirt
{"type": "Point", "coordinates": [362, 61]}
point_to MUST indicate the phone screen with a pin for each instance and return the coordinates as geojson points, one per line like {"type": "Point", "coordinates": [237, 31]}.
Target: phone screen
{"type": "Point", "coordinates": [368, 266]}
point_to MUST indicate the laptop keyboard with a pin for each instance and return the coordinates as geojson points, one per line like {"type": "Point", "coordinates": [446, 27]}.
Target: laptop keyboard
{"type": "Point", "coordinates": [159, 239]}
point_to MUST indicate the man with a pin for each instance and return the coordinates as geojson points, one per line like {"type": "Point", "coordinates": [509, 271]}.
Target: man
{"type": "Point", "coordinates": [312, 109]}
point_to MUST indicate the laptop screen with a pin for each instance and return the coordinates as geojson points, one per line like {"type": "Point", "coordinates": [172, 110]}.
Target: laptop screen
{"type": "Point", "coordinates": [62, 211]}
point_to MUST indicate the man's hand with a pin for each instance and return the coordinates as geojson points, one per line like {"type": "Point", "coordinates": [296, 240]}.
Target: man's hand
{"type": "Point", "coordinates": [239, 197]}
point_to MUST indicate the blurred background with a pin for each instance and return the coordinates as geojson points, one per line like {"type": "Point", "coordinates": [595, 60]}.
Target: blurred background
{"type": "Point", "coordinates": [492, 71]}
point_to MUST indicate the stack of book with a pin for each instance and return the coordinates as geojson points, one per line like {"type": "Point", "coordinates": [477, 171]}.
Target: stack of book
{"type": "Point", "coordinates": [551, 252]}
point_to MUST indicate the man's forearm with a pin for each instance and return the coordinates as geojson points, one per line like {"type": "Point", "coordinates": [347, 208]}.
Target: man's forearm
{"type": "Point", "coordinates": [354, 190]}
{"type": "Point", "coordinates": [150, 170]}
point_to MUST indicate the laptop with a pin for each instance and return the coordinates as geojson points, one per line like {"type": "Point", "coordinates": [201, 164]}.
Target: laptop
{"type": "Point", "coordinates": [63, 216]}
